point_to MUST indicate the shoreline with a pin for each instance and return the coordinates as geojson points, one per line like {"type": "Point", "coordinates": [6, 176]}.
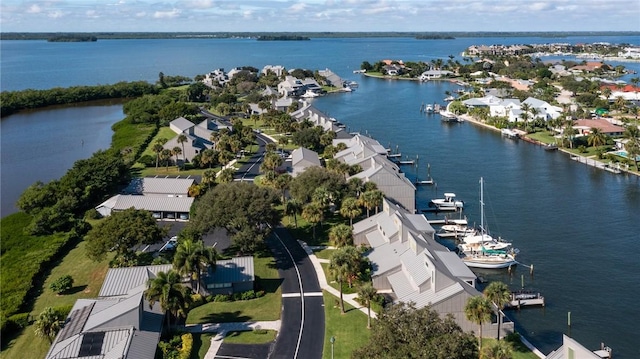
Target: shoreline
{"type": "Point", "coordinates": [541, 144]}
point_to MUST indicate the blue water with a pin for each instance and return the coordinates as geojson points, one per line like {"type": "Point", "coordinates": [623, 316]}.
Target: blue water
{"type": "Point", "coordinates": [576, 224]}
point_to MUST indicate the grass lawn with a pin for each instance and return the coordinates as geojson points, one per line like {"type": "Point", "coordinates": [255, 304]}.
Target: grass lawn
{"type": "Point", "coordinates": [304, 231]}
{"type": "Point", "coordinates": [520, 351]}
{"type": "Point", "coordinates": [163, 132]}
{"type": "Point", "coordinates": [349, 329]}
{"type": "Point", "coordinates": [265, 308]}
{"type": "Point", "coordinates": [334, 284]}
{"type": "Point", "coordinates": [87, 276]}
{"type": "Point", "coordinates": [251, 337]}
{"type": "Point", "coordinates": [324, 254]}
{"type": "Point", "coordinates": [201, 343]}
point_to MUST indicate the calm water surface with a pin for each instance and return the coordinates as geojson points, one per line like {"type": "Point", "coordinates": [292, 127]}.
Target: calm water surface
{"type": "Point", "coordinates": [577, 225]}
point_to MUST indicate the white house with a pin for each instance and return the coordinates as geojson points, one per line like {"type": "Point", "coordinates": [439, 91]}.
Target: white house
{"type": "Point", "coordinates": [303, 158]}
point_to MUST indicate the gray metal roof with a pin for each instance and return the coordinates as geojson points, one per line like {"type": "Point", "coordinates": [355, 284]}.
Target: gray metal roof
{"type": "Point", "coordinates": [235, 270]}
{"type": "Point", "coordinates": [160, 185]}
{"type": "Point", "coordinates": [120, 281]}
{"type": "Point", "coordinates": [304, 154]}
{"type": "Point", "coordinates": [150, 203]}
{"type": "Point", "coordinates": [181, 124]}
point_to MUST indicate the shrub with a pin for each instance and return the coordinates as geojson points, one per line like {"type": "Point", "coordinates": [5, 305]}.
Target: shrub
{"type": "Point", "coordinates": [17, 321]}
{"type": "Point", "coordinates": [62, 284]}
{"type": "Point", "coordinates": [92, 213]}
{"type": "Point", "coordinates": [221, 298]}
{"type": "Point", "coordinates": [63, 310]}
{"type": "Point", "coordinates": [248, 295]}
{"type": "Point", "coordinates": [187, 346]}
{"type": "Point", "coordinates": [260, 294]}
{"type": "Point", "coordinates": [197, 300]}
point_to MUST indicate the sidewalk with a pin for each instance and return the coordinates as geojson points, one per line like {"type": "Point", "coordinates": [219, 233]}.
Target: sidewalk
{"type": "Point", "coordinates": [221, 330]}
{"type": "Point", "coordinates": [322, 280]}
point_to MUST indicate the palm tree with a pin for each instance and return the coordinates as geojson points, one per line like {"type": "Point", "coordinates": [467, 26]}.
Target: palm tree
{"type": "Point", "coordinates": [498, 350]}
{"type": "Point", "coordinates": [48, 324]}
{"type": "Point", "coordinates": [633, 150]}
{"type": "Point", "coordinates": [157, 148]}
{"type": "Point", "coordinates": [596, 137]}
{"type": "Point", "coordinates": [499, 294]}
{"type": "Point", "coordinates": [341, 235]}
{"type": "Point", "coordinates": [182, 138]}
{"type": "Point", "coordinates": [350, 209]}
{"type": "Point", "coordinates": [606, 92]}
{"type": "Point", "coordinates": [193, 258]}
{"type": "Point", "coordinates": [226, 175]}
{"type": "Point", "coordinates": [367, 293]}
{"type": "Point", "coordinates": [371, 199]}
{"type": "Point", "coordinates": [293, 208]}
{"type": "Point", "coordinates": [478, 310]}
{"type": "Point", "coordinates": [165, 155]}
{"type": "Point", "coordinates": [314, 214]}
{"type": "Point", "coordinates": [282, 183]}
{"type": "Point", "coordinates": [167, 289]}
{"type": "Point", "coordinates": [344, 264]}
{"type": "Point", "coordinates": [176, 151]}
{"type": "Point", "coordinates": [568, 132]}
{"type": "Point", "coordinates": [620, 103]}
{"type": "Point", "coordinates": [208, 177]}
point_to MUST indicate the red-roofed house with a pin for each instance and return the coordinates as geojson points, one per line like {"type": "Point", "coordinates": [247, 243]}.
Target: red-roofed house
{"type": "Point", "coordinates": [626, 88]}
{"type": "Point", "coordinates": [584, 127]}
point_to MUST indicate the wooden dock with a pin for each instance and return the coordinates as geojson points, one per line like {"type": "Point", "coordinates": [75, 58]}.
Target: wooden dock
{"type": "Point", "coordinates": [525, 299]}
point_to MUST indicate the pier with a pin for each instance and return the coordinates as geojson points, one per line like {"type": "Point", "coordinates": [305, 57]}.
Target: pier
{"type": "Point", "coordinates": [597, 164]}
{"type": "Point", "coordinates": [521, 299]}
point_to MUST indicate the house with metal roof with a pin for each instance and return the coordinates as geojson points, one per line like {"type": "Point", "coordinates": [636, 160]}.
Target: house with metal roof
{"type": "Point", "coordinates": [303, 158]}
{"type": "Point", "coordinates": [319, 118]}
{"type": "Point", "coordinates": [409, 265]}
{"type": "Point", "coordinates": [291, 86]}
{"type": "Point", "coordinates": [572, 349]}
{"type": "Point", "coordinates": [371, 156]}
{"type": "Point", "coordinates": [160, 186]}
{"type": "Point", "coordinates": [120, 323]}
{"type": "Point", "coordinates": [234, 275]}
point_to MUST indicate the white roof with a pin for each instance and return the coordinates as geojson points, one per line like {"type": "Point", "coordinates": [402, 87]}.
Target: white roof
{"type": "Point", "coordinates": [149, 203]}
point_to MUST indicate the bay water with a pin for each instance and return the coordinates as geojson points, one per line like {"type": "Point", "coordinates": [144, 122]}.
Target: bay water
{"type": "Point", "coordinates": [578, 226]}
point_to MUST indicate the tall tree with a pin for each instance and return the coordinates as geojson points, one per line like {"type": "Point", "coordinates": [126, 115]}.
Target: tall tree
{"type": "Point", "coordinates": [314, 214]}
{"type": "Point", "coordinates": [402, 331]}
{"type": "Point", "coordinates": [182, 138]}
{"type": "Point", "coordinates": [341, 235]}
{"type": "Point", "coordinates": [478, 310]}
{"type": "Point", "coordinates": [226, 175]}
{"type": "Point", "coordinates": [367, 294]}
{"type": "Point", "coordinates": [167, 289]}
{"type": "Point", "coordinates": [192, 258]}
{"type": "Point", "coordinates": [48, 324]}
{"type": "Point", "coordinates": [371, 199]}
{"type": "Point", "coordinates": [121, 232]}
{"type": "Point", "coordinates": [596, 137]}
{"type": "Point", "coordinates": [498, 350]}
{"type": "Point", "coordinates": [350, 209]}
{"type": "Point", "coordinates": [176, 151]}
{"type": "Point", "coordinates": [293, 208]}
{"type": "Point", "coordinates": [499, 294]}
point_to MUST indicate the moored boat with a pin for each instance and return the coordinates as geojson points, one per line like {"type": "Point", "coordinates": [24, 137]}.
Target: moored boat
{"type": "Point", "coordinates": [489, 259]}
{"type": "Point", "coordinates": [449, 202]}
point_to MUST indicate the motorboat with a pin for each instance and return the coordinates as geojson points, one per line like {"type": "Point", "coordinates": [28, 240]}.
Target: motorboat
{"type": "Point", "coordinates": [449, 98]}
{"type": "Point", "coordinates": [448, 116]}
{"type": "Point", "coordinates": [449, 202]}
{"type": "Point", "coordinates": [428, 109]}
{"type": "Point", "coordinates": [309, 94]}
{"type": "Point", "coordinates": [458, 227]}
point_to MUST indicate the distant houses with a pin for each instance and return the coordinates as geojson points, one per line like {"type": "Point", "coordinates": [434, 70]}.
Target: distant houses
{"type": "Point", "coordinates": [513, 109]}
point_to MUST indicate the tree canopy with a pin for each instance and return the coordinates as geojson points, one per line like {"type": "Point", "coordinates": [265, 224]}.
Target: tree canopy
{"type": "Point", "coordinates": [243, 209]}
{"type": "Point", "coordinates": [121, 232]}
{"type": "Point", "coordinates": [402, 331]}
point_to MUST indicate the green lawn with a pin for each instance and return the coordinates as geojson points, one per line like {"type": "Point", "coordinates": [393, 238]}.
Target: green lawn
{"type": "Point", "coordinates": [251, 337]}
{"type": "Point", "coordinates": [334, 284]}
{"type": "Point", "coordinates": [349, 329]}
{"type": "Point", "coordinates": [304, 231]}
{"type": "Point", "coordinates": [520, 351]}
{"type": "Point", "coordinates": [324, 254]}
{"type": "Point", "coordinates": [266, 308]}
{"type": "Point", "coordinates": [201, 343]}
{"type": "Point", "coordinates": [88, 277]}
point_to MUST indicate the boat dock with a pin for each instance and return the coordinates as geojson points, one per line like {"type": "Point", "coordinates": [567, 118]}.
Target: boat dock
{"type": "Point", "coordinates": [521, 299]}
{"type": "Point", "coordinates": [424, 182]}
{"type": "Point", "coordinates": [597, 164]}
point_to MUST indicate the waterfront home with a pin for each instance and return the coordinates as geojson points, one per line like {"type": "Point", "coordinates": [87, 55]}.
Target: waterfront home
{"type": "Point", "coordinates": [410, 266]}
{"type": "Point", "coordinates": [216, 78]}
{"type": "Point", "coordinates": [434, 74]}
{"type": "Point", "coordinates": [277, 70]}
{"type": "Point", "coordinates": [319, 118]}
{"type": "Point", "coordinates": [377, 168]}
{"type": "Point", "coordinates": [584, 127]}
{"type": "Point", "coordinates": [630, 53]}
{"type": "Point", "coordinates": [165, 198]}
{"type": "Point", "coordinates": [512, 108]}
{"type": "Point", "coordinates": [291, 86]}
{"type": "Point", "coordinates": [331, 78]}
{"type": "Point", "coordinates": [571, 349]}
{"type": "Point", "coordinates": [303, 158]}
{"type": "Point", "coordinates": [198, 136]}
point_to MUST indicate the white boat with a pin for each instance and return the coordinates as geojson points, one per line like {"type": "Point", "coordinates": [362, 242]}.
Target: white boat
{"type": "Point", "coordinates": [458, 227]}
{"type": "Point", "coordinates": [483, 251]}
{"type": "Point", "coordinates": [507, 132]}
{"type": "Point", "coordinates": [428, 109]}
{"type": "Point", "coordinates": [309, 94]}
{"type": "Point", "coordinates": [448, 116]}
{"type": "Point", "coordinates": [449, 203]}
{"type": "Point", "coordinates": [489, 259]}
{"type": "Point", "coordinates": [449, 98]}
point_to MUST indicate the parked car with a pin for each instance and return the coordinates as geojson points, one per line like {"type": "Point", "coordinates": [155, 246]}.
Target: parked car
{"type": "Point", "coordinates": [170, 245]}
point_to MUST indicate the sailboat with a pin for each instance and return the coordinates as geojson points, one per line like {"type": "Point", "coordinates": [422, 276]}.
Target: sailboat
{"type": "Point", "coordinates": [480, 250]}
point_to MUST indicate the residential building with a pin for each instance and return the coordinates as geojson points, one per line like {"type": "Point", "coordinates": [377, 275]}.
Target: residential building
{"type": "Point", "coordinates": [376, 167]}
{"type": "Point", "coordinates": [410, 266]}
{"type": "Point", "coordinates": [584, 127]}
{"type": "Point", "coordinates": [303, 158]}
{"type": "Point", "coordinates": [332, 79]}
{"type": "Point", "coordinates": [278, 70]}
{"type": "Point", "coordinates": [434, 74]}
{"type": "Point", "coordinates": [571, 349]}
{"type": "Point", "coordinates": [291, 86]}
{"type": "Point", "coordinates": [230, 276]}
{"type": "Point", "coordinates": [319, 118]}
{"type": "Point", "coordinates": [165, 198]}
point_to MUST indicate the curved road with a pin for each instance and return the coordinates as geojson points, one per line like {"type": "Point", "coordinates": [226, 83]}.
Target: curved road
{"type": "Point", "coordinates": [302, 332]}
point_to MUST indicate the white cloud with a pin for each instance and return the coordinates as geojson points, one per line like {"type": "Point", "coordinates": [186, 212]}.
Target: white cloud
{"type": "Point", "coordinates": [34, 9]}
{"type": "Point", "coordinates": [173, 13]}
{"type": "Point", "coordinates": [298, 7]}
{"type": "Point", "coordinates": [199, 4]}
{"type": "Point", "coordinates": [56, 14]}
{"type": "Point", "coordinates": [92, 14]}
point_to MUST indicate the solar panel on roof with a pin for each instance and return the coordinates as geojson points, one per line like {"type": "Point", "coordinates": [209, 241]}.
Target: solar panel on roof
{"type": "Point", "coordinates": [77, 319]}
{"type": "Point", "coordinates": [91, 344]}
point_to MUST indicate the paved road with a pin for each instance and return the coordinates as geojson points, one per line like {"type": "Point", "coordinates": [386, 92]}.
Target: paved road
{"type": "Point", "coordinates": [302, 332]}
{"type": "Point", "coordinates": [251, 169]}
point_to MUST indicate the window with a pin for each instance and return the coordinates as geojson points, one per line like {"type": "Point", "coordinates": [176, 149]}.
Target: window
{"type": "Point", "coordinates": [218, 285]}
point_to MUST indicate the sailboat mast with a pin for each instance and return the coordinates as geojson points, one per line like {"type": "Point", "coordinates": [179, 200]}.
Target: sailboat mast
{"type": "Point", "coordinates": [481, 207]}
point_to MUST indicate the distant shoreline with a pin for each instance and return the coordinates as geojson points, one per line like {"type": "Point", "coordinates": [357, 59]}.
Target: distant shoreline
{"type": "Point", "coordinates": [253, 35]}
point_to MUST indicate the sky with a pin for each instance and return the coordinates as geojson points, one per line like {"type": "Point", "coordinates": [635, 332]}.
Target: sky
{"type": "Point", "coordinates": [317, 15]}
